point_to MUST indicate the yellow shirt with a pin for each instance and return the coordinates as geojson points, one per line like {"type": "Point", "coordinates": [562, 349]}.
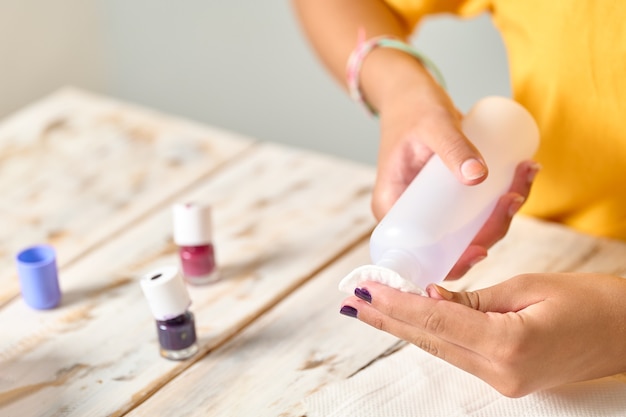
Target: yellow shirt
{"type": "Point", "coordinates": [568, 68]}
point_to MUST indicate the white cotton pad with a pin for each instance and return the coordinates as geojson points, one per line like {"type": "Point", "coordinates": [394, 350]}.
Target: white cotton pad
{"type": "Point", "coordinates": [377, 274]}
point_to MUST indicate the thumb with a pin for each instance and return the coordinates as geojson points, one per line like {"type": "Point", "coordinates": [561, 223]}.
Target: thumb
{"type": "Point", "coordinates": [509, 296]}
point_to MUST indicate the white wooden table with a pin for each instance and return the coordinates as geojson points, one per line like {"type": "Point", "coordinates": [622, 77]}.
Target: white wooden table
{"type": "Point", "coordinates": [96, 179]}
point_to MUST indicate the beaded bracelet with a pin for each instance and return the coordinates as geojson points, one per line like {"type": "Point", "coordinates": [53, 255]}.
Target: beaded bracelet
{"type": "Point", "coordinates": [364, 47]}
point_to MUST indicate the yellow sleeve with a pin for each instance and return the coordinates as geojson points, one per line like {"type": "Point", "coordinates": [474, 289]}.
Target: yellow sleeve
{"type": "Point", "coordinates": [412, 11]}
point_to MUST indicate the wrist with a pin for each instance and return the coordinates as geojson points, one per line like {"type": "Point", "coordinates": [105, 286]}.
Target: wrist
{"type": "Point", "coordinates": [395, 64]}
{"type": "Point", "coordinates": [388, 73]}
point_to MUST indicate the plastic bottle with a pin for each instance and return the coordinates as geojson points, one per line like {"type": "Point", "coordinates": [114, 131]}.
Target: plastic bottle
{"type": "Point", "coordinates": [432, 223]}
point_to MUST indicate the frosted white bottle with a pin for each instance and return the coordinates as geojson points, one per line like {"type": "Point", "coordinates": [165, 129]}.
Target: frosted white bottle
{"type": "Point", "coordinates": [432, 223]}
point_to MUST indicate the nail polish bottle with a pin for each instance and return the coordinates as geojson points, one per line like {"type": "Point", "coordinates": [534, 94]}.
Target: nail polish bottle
{"type": "Point", "coordinates": [193, 235]}
{"type": "Point", "coordinates": [169, 302]}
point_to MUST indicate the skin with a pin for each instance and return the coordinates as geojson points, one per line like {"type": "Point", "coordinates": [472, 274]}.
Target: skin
{"type": "Point", "coordinates": [558, 328]}
{"type": "Point", "coordinates": [417, 118]}
{"type": "Point", "coordinates": [528, 333]}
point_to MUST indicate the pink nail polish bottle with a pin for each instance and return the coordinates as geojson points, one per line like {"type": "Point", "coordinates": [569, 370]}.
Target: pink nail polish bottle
{"type": "Point", "coordinates": [193, 235]}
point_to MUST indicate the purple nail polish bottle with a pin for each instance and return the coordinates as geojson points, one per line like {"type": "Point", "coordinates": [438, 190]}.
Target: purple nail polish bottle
{"type": "Point", "coordinates": [193, 235]}
{"type": "Point", "coordinates": [169, 302]}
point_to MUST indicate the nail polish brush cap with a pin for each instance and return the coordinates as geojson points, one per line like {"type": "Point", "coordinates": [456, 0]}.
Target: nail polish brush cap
{"type": "Point", "coordinates": [166, 293]}
{"type": "Point", "coordinates": [192, 224]}
{"type": "Point", "coordinates": [39, 282]}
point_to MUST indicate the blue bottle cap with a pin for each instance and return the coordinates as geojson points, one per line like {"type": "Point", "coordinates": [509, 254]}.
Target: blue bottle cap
{"type": "Point", "coordinates": [37, 270]}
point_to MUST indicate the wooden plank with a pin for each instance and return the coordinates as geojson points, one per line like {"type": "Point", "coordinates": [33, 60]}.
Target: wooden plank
{"type": "Point", "coordinates": [303, 344]}
{"type": "Point", "coordinates": [280, 215]}
{"type": "Point", "coordinates": [76, 169]}
{"type": "Point", "coordinates": [298, 347]}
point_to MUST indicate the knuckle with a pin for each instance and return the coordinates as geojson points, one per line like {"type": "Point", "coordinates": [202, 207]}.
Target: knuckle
{"type": "Point", "coordinates": [459, 149]}
{"type": "Point", "coordinates": [378, 323]}
{"type": "Point", "coordinates": [434, 322]}
{"type": "Point", "coordinates": [473, 299]}
{"type": "Point", "coordinates": [427, 345]}
{"type": "Point", "coordinates": [502, 231]}
{"type": "Point", "coordinates": [385, 307]}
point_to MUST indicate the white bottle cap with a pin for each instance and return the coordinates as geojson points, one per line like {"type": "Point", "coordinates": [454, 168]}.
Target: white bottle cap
{"type": "Point", "coordinates": [166, 293]}
{"type": "Point", "coordinates": [192, 224]}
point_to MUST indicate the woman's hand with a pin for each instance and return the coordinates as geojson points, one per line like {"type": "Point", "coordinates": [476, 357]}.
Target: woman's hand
{"type": "Point", "coordinates": [531, 332]}
{"type": "Point", "coordinates": [417, 122]}
{"type": "Point", "coordinates": [496, 227]}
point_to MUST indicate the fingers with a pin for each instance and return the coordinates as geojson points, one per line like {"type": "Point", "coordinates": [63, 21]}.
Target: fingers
{"type": "Point", "coordinates": [498, 223]}
{"type": "Point", "coordinates": [386, 192]}
{"type": "Point", "coordinates": [442, 134]}
{"type": "Point", "coordinates": [492, 346]}
{"type": "Point", "coordinates": [431, 338]}
{"type": "Point", "coordinates": [456, 355]}
{"type": "Point", "coordinates": [512, 295]}
{"type": "Point", "coordinates": [494, 229]}
{"type": "Point", "coordinates": [417, 124]}
{"type": "Point", "coordinates": [472, 255]}
{"type": "Point", "coordinates": [518, 336]}
{"type": "Point", "coordinates": [524, 176]}
{"type": "Point", "coordinates": [497, 226]}
{"type": "Point", "coordinates": [397, 167]}
{"type": "Point", "coordinates": [450, 322]}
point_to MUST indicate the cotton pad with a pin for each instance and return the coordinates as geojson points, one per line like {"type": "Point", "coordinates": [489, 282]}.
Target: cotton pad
{"type": "Point", "coordinates": [380, 274]}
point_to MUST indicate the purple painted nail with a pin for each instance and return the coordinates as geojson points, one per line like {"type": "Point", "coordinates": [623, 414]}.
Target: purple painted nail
{"type": "Point", "coordinates": [363, 294]}
{"type": "Point", "coordinates": [349, 311]}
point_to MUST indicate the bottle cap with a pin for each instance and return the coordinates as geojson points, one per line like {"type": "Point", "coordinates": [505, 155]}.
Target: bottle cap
{"type": "Point", "coordinates": [39, 282]}
{"type": "Point", "coordinates": [166, 293]}
{"type": "Point", "coordinates": [192, 224]}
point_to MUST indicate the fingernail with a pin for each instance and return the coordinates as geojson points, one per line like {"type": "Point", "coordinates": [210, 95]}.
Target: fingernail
{"type": "Point", "coordinates": [515, 205]}
{"type": "Point", "coordinates": [349, 311]}
{"type": "Point", "coordinates": [445, 294]}
{"type": "Point", "coordinates": [533, 169]}
{"type": "Point", "coordinates": [473, 169]}
{"type": "Point", "coordinates": [363, 294]}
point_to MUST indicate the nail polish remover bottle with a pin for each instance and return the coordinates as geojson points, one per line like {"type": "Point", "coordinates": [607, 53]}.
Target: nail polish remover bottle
{"type": "Point", "coordinates": [193, 235]}
{"type": "Point", "coordinates": [432, 223]}
{"type": "Point", "coordinates": [169, 302]}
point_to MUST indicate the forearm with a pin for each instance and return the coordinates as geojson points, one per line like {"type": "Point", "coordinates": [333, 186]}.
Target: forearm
{"type": "Point", "coordinates": [332, 27]}
{"type": "Point", "coordinates": [417, 117]}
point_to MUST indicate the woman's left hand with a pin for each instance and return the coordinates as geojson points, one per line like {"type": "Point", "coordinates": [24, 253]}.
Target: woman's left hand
{"type": "Point", "coordinates": [531, 332]}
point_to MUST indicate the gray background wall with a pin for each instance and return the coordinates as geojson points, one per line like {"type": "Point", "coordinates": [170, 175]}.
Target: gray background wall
{"type": "Point", "coordinates": [240, 64]}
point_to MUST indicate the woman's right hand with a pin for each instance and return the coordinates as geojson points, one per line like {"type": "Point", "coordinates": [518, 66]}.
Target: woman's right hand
{"type": "Point", "coordinates": [417, 120]}
{"type": "Point", "coordinates": [417, 117]}
{"type": "Point", "coordinates": [415, 124]}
